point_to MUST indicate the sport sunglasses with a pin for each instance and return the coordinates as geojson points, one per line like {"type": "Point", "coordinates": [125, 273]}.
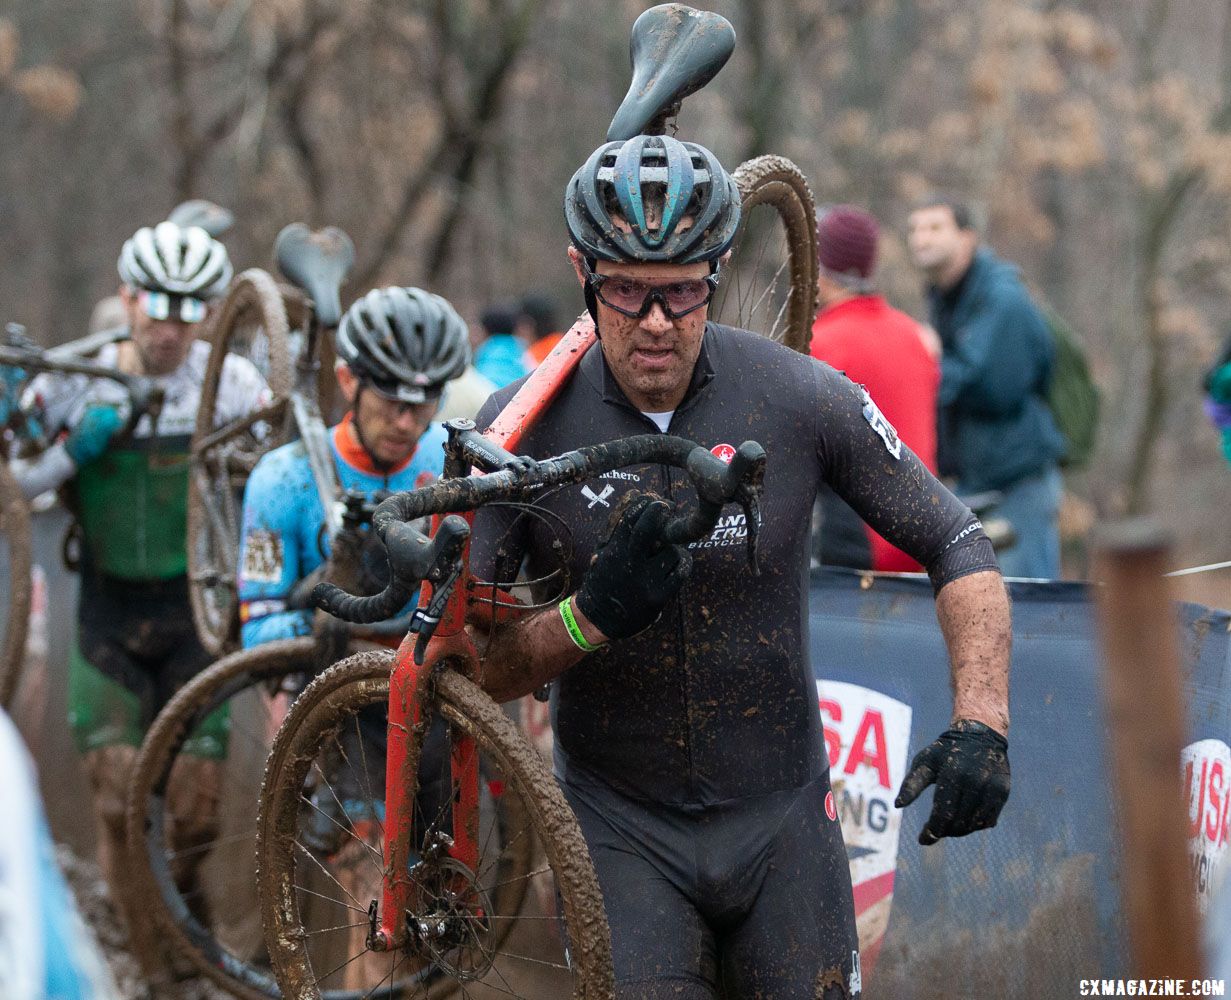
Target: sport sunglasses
{"type": "Point", "coordinates": [161, 305]}
{"type": "Point", "coordinates": [633, 298]}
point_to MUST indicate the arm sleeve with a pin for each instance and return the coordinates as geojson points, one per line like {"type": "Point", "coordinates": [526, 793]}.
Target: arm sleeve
{"type": "Point", "coordinates": [999, 359]}
{"type": "Point", "coordinates": [47, 471]}
{"type": "Point", "coordinates": [269, 557]}
{"type": "Point", "coordinates": [58, 400]}
{"type": "Point", "coordinates": [867, 465]}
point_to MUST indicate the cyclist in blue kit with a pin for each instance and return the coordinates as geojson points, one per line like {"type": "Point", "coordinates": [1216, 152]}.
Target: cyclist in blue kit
{"type": "Point", "coordinates": [687, 734]}
{"type": "Point", "coordinates": [396, 347]}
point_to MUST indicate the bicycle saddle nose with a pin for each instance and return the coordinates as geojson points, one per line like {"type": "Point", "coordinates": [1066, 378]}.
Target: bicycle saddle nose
{"type": "Point", "coordinates": [676, 50]}
{"type": "Point", "coordinates": [317, 263]}
{"type": "Point", "coordinates": [214, 219]}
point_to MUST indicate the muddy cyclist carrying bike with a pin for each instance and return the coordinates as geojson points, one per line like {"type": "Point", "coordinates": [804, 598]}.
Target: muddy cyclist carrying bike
{"type": "Point", "coordinates": [688, 739]}
{"type": "Point", "coordinates": [135, 643]}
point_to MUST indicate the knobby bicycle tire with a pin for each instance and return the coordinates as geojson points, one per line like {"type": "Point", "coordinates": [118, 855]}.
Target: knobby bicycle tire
{"type": "Point", "coordinates": [15, 531]}
{"type": "Point", "coordinates": [776, 182]}
{"type": "Point", "coordinates": [163, 905]}
{"type": "Point", "coordinates": [254, 300]}
{"type": "Point", "coordinates": [154, 885]}
{"type": "Point", "coordinates": [314, 720]}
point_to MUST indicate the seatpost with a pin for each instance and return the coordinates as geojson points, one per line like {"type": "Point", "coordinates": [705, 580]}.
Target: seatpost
{"type": "Point", "coordinates": [312, 430]}
{"type": "Point", "coordinates": [661, 124]}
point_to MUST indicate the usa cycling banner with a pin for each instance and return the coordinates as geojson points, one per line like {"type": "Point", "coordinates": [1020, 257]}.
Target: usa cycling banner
{"type": "Point", "coordinates": [1031, 907]}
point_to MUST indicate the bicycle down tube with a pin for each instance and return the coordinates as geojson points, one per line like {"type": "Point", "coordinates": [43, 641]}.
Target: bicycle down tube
{"type": "Point", "coordinates": [451, 641]}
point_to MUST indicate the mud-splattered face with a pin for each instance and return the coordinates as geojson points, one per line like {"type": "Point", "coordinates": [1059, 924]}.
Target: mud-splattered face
{"type": "Point", "coordinates": [652, 357]}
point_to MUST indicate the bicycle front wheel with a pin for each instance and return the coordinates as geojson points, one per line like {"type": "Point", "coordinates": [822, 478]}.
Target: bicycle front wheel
{"type": "Point", "coordinates": [191, 858]}
{"type": "Point", "coordinates": [769, 285]}
{"type": "Point", "coordinates": [469, 930]}
{"type": "Point", "coordinates": [15, 571]}
{"type": "Point", "coordinates": [252, 324]}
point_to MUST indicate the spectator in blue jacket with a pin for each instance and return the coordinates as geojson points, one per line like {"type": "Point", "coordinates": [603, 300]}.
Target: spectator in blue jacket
{"type": "Point", "coordinates": [498, 354]}
{"type": "Point", "coordinates": [995, 430]}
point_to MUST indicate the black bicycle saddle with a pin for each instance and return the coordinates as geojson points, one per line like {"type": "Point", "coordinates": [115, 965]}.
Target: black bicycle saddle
{"type": "Point", "coordinates": [317, 263]}
{"type": "Point", "coordinates": [676, 50]}
{"type": "Point", "coordinates": [214, 219]}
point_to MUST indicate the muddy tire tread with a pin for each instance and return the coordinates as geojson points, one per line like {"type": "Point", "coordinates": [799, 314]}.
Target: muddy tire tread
{"type": "Point", "coordinates": [253, 291]}
{"type": "Point", "coordinates": [153, 768]}
{"type": "Point", "coordinates": [15, 527]}
{"type": "Point", "coordinates": [777, 182]}
{"type": "Point", "coordinates": [360, 680]}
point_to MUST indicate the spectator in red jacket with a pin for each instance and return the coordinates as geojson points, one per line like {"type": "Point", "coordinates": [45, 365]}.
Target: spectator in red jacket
{"type": "Point", "coordinates": [859, 333]}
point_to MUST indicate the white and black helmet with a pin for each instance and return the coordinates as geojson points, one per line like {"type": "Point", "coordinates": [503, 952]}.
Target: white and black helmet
{"type": "Point", "coordinates": [179, 260]}
{"type": "Point", "coordinates": [405, 342]}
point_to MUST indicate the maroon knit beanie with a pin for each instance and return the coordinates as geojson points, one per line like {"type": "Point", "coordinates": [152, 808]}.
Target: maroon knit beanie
{"type": "Point", "coordinates": [846, 240]}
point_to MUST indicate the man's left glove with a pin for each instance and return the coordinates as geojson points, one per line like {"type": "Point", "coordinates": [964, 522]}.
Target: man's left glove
{"type": "Point", "coordinates": [969, 764]}
{"type": "Point", "coordinates": [93, 433]}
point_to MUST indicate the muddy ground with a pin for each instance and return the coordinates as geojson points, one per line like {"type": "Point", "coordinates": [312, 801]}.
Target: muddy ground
{"type": "Point", "coordinates": [100, 915]}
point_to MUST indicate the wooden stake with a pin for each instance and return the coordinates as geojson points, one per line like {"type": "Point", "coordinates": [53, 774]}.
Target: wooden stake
{"type": "Point", "coordinates": [1147, 726]}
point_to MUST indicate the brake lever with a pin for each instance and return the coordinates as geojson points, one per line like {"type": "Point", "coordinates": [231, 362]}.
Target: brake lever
{"type": "Point", "coordinates": [748, 497]}
{"type": "Point", "coordinates": [443, 574]}
{"type": "Point", "coordinates": [424, 620]}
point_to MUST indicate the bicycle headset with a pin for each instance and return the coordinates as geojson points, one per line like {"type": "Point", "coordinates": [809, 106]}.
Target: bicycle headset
{"type": "Point", "coordinates": [178, 260]}
{"type": "Point", "coordinates": [404, 343]}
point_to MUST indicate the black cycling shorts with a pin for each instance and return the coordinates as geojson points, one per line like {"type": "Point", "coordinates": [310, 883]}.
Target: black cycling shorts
{"type": "Point", "coordinates": [748, 898]}
{"type": "Point", "coordinates": [141, 636]}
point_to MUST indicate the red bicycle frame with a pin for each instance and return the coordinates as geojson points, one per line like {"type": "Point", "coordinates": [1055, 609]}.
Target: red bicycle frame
{"type": "Point", "coordinates": [450, 642]}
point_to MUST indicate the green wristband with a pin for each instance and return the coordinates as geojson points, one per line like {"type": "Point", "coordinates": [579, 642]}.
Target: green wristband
{"type": "Point", "coordinates": [574, 630]}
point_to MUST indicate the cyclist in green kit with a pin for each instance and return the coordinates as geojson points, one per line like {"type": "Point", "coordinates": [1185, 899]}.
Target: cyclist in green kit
{"type": "Point", "coordinates": [135, 644]}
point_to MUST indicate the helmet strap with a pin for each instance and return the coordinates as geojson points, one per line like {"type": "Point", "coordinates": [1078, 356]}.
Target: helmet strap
{"type": "Point", "coordinates": [590, 297]}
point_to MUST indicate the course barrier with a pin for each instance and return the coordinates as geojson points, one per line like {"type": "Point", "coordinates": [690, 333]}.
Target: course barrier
{"type": "Point", "coordinates": [1032, 907]}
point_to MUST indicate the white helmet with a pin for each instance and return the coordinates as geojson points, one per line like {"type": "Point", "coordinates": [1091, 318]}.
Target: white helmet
{"type": "Point", "coordinates": [177, 260]}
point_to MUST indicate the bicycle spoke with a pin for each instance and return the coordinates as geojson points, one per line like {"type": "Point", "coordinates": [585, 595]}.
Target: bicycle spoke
{"type": "Point", "coordinates": [329, 875]}
{"type": "Point", "coordinates": [363, 755]}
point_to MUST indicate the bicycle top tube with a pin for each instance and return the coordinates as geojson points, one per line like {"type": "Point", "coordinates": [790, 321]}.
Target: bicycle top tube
{"type": "Point", "coordinates": [143, 394]}
{"type": "Point", "coordinates": [36, 360]}
{"type": "Point", "coordinates": [412, 554]}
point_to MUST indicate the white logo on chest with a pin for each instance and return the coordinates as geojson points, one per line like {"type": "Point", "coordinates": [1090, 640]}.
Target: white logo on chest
{"type": "Point", "coordinates": [594, 498]}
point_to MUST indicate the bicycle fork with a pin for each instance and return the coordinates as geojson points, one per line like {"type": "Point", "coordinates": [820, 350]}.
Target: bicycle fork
{"type": "Point", "coordinates": [402, 897]}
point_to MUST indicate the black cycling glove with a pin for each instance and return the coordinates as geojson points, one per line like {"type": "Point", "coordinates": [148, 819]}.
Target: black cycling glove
{"type": "Point", "coordinates": [969, 764]}
{"type": "Point", "coordinates": [635, 573]}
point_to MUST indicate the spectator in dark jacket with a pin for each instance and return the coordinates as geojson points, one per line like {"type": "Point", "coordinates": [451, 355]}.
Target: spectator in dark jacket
{"type": "Point", "coordinates": [995, 429]}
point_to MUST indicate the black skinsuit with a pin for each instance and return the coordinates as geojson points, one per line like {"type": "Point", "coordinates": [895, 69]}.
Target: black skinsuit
{"type": "Point", "coordinates": [693, 751]}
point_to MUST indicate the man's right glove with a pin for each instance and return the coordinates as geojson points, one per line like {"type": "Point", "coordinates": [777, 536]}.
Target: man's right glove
{"type": "Point", "coordinates": [635, 573]}
{"type": "Point", "coordinates": [969, 764]}
{"type": "Point", "coordinates": [93, 433]}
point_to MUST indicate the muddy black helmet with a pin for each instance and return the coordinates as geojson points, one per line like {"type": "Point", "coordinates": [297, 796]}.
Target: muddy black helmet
{"type": "Point", "coordinates": [652, 198]}
{"type": "Point", "coordinates": [405, 342]}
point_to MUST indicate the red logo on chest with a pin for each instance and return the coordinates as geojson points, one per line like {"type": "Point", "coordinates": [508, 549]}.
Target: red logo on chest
{"type": "Point", "coordinates": [724, 451]}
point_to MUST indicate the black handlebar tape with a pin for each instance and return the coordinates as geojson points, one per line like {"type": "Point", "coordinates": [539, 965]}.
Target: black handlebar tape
{"type": "Point", "coordinates": [717, 484]}
{"type": "Point", "coordinates": [363, 610]}
{"type": "Point", "coordinates": [410, 551]}
{"type": "Point", "coordinates": [412, 555]}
